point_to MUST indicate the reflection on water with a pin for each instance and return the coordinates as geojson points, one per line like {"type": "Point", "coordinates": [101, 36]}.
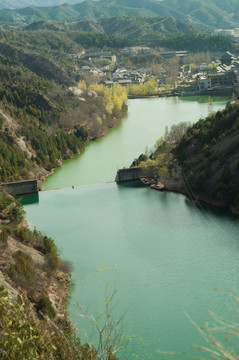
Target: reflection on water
{"type": "Point", "coordinates": [203, 99]}
{"type": "Point", "coordinates": [131, 184]}
{"type": "Point", "coordinates": [28, 199]}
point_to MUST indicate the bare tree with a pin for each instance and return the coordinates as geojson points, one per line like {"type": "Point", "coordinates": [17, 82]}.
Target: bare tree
{"type": "Point", "coordinates": [107, 328]}
{"type": "Point", "coordinates": [210, 106]}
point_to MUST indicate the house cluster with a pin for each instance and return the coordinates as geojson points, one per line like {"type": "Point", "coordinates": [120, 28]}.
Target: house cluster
{"type": "Point", "coordinates": [224, 77]}
{"type": "Point", "coordinates": [126, 77]}
{"type": "Point", "coordinates": [234, 33]}
{"type": "Point", "coordinates": [89, 55]}
{"type": "Point", "coordinates": [137, 50]}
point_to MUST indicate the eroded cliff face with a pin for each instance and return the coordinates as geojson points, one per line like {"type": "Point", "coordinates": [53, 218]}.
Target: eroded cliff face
{"type": "Point", "coordinates": [33, 293]}
{"type": "Point", "coordinates": [53, 284]}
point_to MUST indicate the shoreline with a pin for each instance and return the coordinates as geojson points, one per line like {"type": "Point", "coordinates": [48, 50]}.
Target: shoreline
{"type": "Point", "coordinates": [60, 161]}
{"type": "Point", "coordinates": [216, 93]}
{"type": "Point", "coordinates": [203, 198]}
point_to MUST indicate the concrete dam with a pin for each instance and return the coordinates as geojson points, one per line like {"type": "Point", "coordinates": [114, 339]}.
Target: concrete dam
{"type": "Point", "coordinates": [128, 174]}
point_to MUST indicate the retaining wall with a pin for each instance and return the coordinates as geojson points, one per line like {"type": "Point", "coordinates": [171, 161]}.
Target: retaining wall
{"type": "Point", "coordinates": [22, 187]}
{"type": "Point", "coordinates": [128, 174]}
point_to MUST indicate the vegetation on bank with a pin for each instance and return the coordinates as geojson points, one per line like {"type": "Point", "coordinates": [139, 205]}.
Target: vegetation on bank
{"type": "Point", "coordinates": [144, 89]}
{"type": "Point", "coordinates": [209, 155]}
{"type": "Point", "coordinates": [33, 291]}
{"type": "Point", "coordinates": [158, 162]}
{"type": "Point", "coordinates": [42, 122]}
{"type": "Point", "coordinates": [23, 337]}
{"type": "Point", "coordinates": [114, 97]}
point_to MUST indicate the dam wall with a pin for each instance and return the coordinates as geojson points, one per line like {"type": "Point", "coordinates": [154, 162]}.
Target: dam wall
{"type": "Point", "coordinates": [22, 187]}
{"type": "Point", "coordinates": [128, 174]}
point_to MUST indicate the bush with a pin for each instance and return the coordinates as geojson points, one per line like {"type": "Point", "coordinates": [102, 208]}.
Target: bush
{"type": "Point", "coordinates": [45, 307]}
{"type": "Point", "coordinates": [17, 213]}
{"type": "Point", "coordinates": [51, 252]}
{"type": "Point", "coordinates": [21, 234]}
{"type": "Point", "coordinates": [23, 338]}
{"type": "Point", "coordinates": [22, 272]}
{"type": "Point", "coordinates": [3, 239]}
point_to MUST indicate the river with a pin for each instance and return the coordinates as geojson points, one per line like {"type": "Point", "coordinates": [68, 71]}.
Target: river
{"type": "Point", "coordinates": [163, 254]}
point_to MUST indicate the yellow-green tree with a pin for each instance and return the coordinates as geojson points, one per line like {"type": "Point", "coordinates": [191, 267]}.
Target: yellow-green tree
{"type": "Point", "coordinates": [148, 88]}
{"type": "Point", "coordinates": [114, 97]}
{"type": "Point", "coordinates": [82, 85]}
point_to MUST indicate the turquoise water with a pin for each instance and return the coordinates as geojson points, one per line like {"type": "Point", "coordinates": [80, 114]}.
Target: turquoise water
{"type": "Point", "coordinates": [162, 254]}
{"type": "Point", "coordinates": [144, 125]}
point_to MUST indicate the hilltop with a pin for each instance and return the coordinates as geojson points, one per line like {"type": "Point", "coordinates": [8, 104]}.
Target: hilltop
{"type": "Point", "coordinates": [212, 13]}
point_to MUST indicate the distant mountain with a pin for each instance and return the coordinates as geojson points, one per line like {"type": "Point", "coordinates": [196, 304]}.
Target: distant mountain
{"type": "Point", "coordinates": [212, 13]}
{"type": "Point", "coordinates": [17, 4]}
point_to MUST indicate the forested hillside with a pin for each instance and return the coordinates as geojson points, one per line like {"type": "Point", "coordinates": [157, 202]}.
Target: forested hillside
{"type": "Point", "coordinates": [42, 122]}
{"type": "Point", "coordinates": [118, 32]}
{"type": "Point", "coordinates": [15, 4]}
{"type": "Point", "coordinates": [212, 13]}
{"type": "Point", "coordinates": [201, 161]}
{"type": "Point", "coordinates": [33, 293]}
{"type": "Point", "coordinates": [209, 156]}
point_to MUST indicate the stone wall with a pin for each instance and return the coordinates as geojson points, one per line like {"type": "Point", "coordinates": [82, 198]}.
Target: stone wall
{"type": "Point", "coordinates": [128, 174]}
{"type": "Point", "coordinates": [22, 187]}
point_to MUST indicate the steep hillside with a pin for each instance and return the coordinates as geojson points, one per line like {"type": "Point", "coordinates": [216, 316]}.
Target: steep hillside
{"type": "Point", "coordinates": [46, 53]}
{"type": "Point", "coordinates": [209, 156]}
{"type": "Point", "coordinates": [33, 293]}
{"type": "Point", "coordinates": [212, 13]}
{"type": "Point", "coordinates": [137, 28]}
{"type": "Point", "coordinates": [201, 161]}
{"type": "Point", "coordinates": [42, 122]}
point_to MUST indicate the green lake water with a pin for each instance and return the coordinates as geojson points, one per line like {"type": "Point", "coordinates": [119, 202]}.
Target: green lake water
{"type": "Point", "coordinates": [162, 253]}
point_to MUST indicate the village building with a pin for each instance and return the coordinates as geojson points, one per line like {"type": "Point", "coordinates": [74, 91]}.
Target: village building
{"type": "Point", "coordinates": [223, 77]}
{"type": "Point", "coordinates": [227, 58]}
{"type": "Point", "coordinates": [137, 50]}
{"type": "Point", "coordinates": [204, 83]}
{"type": "Point", "coordinates": [99, 55]}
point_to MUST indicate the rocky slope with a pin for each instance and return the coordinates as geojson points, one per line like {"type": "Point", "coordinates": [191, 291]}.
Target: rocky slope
{"type": "Point", "coordinates": [34, 285]}
{"type": "Point", "coordinates": [29, 262]}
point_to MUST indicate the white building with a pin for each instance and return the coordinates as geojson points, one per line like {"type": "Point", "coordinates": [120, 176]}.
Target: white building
{"type": "Point", "coordinates": [204, 83]}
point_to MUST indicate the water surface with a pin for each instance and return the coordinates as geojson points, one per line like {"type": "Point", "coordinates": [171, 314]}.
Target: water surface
{"type": "Point", "coordinates": [145, 123]}
{"type": "Point", "coordinates": [163, 254]}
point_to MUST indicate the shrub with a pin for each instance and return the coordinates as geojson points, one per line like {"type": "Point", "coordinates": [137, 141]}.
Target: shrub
{"type": "Point", "coordinates": [21, 234]}
{"type": "Point", "coordinates": [3, 239]}
{"type": "Point", "coordinates": [22, 272]}
{"type": "Point", "coordinates": [45, 307]}
{"type": "Point", "coordinates": [51, 252]}
{"type": "Point", "coordinates": [17, 213]}
{"type": "Point", "coordinates": [23, 338]}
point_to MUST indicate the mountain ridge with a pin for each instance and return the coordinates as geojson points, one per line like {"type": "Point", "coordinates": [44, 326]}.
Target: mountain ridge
{"type": "Point", "coordinates": [213, 13]}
